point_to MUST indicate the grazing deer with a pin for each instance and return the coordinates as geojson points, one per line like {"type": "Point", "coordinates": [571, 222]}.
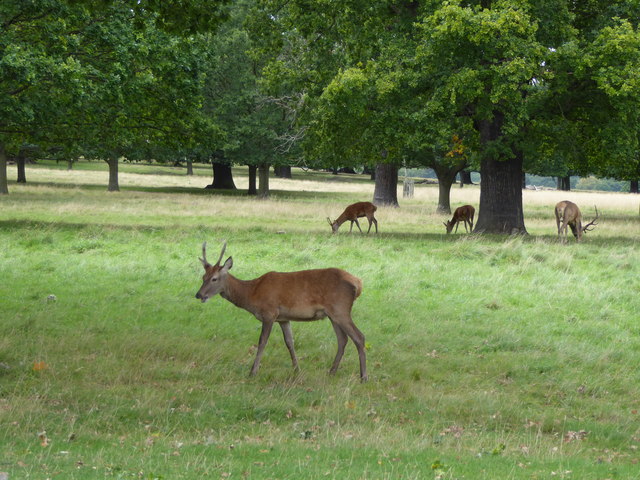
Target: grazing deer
{"type": "Point", "coordinates": [464, 214]}
{"type": "Point", "coordinates": [352, 213]}
{"type": "Point", "coordinates": [299, 296]}
{"type": "Point", "coordinates": [568, 214]}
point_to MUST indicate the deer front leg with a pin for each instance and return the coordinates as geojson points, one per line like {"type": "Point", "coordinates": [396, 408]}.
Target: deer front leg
{"type": "Point", "coordinates": [288, 340]}
{"type": "Point", "coordinates": [264, 337]}
{"type": "Point", "coordinates": [357, 225]}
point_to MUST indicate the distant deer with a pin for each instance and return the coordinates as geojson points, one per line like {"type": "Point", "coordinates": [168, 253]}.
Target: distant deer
{"type": "Point", "coordinates": [352, 213]}
{"type": "Point", "coordinates": [464, 214]}
{"type": "Point", "coordinates": [299, 296]}
{"type": "Point", "coordinates": [568, 214]}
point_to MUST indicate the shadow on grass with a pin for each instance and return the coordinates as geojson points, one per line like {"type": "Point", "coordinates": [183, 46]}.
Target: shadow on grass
{"type": "Point", "coordinates": [274, 194]}
{"type": "Point", "coordinates": [434, 238]}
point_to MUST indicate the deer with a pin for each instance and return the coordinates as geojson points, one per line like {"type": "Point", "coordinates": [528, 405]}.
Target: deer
{"type": "Point", "coordinates": [352, 213]}
{"type": "Point", "coordinates": [281, 297]}
{"type": "Point", "coordinates": [464, 214]}
{"type": "Point", "coordinates": [568, 214]}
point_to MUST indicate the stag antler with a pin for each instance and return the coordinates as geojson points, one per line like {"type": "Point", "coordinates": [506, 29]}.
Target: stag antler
{"type": "Point", "coordinates": [204, 255]}
{"type": "Point", "coordinates": [591, 224]}
{"type": "Point", "coordinates": [224, 247]}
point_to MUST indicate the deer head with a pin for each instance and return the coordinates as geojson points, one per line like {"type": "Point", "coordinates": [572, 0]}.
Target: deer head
{"type": "Point", "coordinates": [334, 225]}
{"type": "Point", "coordinates": [214, 278]}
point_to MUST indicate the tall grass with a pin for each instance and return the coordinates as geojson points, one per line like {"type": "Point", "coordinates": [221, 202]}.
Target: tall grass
{"type": "Point", "coordinates": [488, 357]}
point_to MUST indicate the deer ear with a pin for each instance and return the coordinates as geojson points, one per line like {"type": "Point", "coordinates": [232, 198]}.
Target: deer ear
{"type": "Point", "coordinates": [228, 264]}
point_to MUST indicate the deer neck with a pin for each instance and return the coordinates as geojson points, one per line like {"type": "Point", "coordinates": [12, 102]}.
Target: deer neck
{"type": "Point", "coordinates": [237, 292]}
{"type": "Point", "coordinates": [341, 219]}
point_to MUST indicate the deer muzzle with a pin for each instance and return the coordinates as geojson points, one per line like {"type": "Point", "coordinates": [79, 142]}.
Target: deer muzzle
{"type": "Point", "coordinates": [202, 298]}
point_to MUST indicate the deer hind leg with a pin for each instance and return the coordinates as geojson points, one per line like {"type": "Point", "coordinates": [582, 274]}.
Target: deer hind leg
{"type": "Point", "coordinates": [563, 232]}
{"type": "Point", "coordinates": [264, 337]}
{"type": "Point", "coordinates": [346, 326]}
{"type": "Point", "coordinates": [342, 342]}
{"type": "Point", "coordinates": [372, 221]}
{"type": "Point", "coordinates": [288, 340]}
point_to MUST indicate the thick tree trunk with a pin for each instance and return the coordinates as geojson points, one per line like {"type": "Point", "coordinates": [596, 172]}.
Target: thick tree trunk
{"type": "Point", "coordinates": [263, 181]}
{"type": "Point", "coordinates": [252, 180]}
{"type": "Point", "coordinates": [386, 190]}
{"type": "Point", "coordinates": [4, 187]}
{"type": "Point", "coordinates": [113, 175]}
{"type": "Point", "coordinates": [222, 177]}
{"type": "Point", "coordinates": [189, 167]}
{"type": "Point", "coordinates": [282, 172]}
{"type": "Point", "coordinates": [444, 192]}
{"type": "Point", "coordinates": [465, 178]}
{"type": "Point", "coordinates": [20, 162]}
{"type": "Point", "coordinates": [501, 197]}
{"type": "Point", "coordinates": [446, 178]}
{"type": "Point", "coordinates": [564, 183]}
{"type": "Point", "coordinates": [633, 186]}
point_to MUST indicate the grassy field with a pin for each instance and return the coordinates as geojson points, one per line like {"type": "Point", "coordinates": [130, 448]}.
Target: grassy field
{"type": "Point", "coordinates": [488, 357]}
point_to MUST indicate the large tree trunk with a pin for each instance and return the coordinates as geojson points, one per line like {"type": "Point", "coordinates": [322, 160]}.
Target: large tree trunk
{"type": "Point", "coordinates": [633, 186]}
{"type": "Point", "coordinates": [444, 193]}
{"type": "Point", "coordinates": [263, 181]}
{"type": "Point", "coordinates": [446, 178]}
{"type": "Point", "coordinates": [113, 175]}
{"type": "Point", "coordinates": [222, 177]}
{"type": "Point", "coordinates": [501, 197]}
{"type": "Point", "coordinates": [20, 162]}
{"type": "Point", "coordinates": [386, 190]}
{"type": "Point", "coordinates": [564, 183]}
{"type": "Point", "coordinates": [282, 172]}
{"type": "Point", "coordinates": [465, 178]}
{"type": "Point", "coordinates": [501, 186]}
{"type": "Point", "coordinates": [252, 180]}
{"type": "Point", "coordinates": [4, 188]}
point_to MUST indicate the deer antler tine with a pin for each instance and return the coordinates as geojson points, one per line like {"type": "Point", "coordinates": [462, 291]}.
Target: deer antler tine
{"type": "Point", "coordinates": [224, 247]}
{"type": "Point", "coordinates": [204, 254]}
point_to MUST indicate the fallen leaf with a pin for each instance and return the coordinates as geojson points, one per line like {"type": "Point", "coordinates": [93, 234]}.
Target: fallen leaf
{"type": "Point", "coordinates": [39, 366]}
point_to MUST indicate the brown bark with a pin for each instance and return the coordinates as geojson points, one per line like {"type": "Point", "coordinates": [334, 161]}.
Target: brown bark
{"type": "Point", "coordinates": [222, 177]}
{"type": "Point", "coordinates": [4, 188]}
{"type": "Point", "coordinates": [386, 189]}
{"type": "Point", "coordinates": [113, 175]}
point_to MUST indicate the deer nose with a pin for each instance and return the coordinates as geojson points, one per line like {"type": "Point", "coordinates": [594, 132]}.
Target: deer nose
{"type": "Point", "coordinates": [198, 296]}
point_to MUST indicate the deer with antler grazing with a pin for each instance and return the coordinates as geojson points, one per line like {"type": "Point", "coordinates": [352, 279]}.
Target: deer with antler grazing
{"type": "Point", "coordinates": [281, 297]}
{"type": "Point", "coordinates": [352, 213]}
{"type": "Point", "coordinates": [568, 214]}
{"type": "Point", "coordinates": [464, 214]}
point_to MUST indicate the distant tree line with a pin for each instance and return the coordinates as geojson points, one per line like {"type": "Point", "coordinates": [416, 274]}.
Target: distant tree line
{"type": "Point", "coordinates": [501, 88]}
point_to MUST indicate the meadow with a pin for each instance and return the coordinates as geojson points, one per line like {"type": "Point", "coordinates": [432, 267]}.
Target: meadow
{"type": "Point", "coordinates": [489, 357]}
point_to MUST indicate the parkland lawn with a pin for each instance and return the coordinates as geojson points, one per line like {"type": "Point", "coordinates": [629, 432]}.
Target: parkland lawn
{"type": "Point", "coordinates": [489, 357]}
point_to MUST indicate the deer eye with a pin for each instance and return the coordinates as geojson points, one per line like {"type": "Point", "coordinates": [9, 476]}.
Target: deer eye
{"type": "Point", "coordinates": [214, 279]}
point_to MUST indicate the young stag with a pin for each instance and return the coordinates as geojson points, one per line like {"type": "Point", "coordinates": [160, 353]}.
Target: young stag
{"type": "Point", "coordinates": [464, 214]}
{"type": "Point", "coordinates": [568, 214]}
{"type": "Point", "coordinates": [280, 297]}
{"type": "Point", "coordinates": [352, 213]}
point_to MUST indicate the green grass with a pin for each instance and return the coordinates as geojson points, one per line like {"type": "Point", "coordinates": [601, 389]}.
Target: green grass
{"type": "Point", "coordinates": [488, 357]}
